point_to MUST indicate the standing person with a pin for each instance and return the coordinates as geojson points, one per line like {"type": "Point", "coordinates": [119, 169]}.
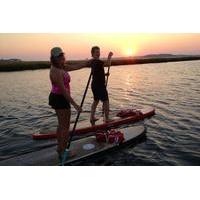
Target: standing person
{"type": "Point", "coordinates": [99, 84]}
{"type": "Point", "coordinates": [60, 99]}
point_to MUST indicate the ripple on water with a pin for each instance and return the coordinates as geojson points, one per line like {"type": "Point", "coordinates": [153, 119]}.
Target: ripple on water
{"type": "Point", "coordinates": [172, 136]}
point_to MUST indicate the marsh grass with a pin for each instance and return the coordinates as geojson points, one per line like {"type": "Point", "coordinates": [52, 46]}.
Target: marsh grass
{"type": "Point", "coordinates": [6, 66]}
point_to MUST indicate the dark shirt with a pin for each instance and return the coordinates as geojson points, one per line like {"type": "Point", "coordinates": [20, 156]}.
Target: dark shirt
{"type": "Point", "coordinates": [98, 73]}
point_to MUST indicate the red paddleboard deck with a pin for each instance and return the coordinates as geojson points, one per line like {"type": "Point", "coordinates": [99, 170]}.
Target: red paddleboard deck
{"type": "Point", "coordinates": [116, 122]}
{"type": "Point", "coordinates": [82, 149]}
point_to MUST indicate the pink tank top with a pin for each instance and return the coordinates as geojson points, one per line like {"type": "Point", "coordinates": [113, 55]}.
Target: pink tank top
{"type": "Point", "coordinates": [56, 90]}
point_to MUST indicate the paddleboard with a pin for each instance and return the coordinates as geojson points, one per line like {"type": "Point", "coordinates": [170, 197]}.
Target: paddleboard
{"type": "Point", "coordinates": [85, 128]}
{"type": "Point", "coordinates": [82, 149]}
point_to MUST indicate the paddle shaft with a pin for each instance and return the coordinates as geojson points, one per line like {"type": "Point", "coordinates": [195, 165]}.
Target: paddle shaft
{"type": "Point", "coordinates": [109, 64]}
{"type": "Point", "coordinates": [106, 84]}
{"type": "Point", "coordinates": [78, 115]}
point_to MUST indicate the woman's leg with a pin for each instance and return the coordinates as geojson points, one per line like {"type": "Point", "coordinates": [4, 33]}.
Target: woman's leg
{"type": "Point", "coordinates": [106, 110]}
{"type": "Point", "coordinates": [93, 110]}
{"type": "Point", "coordinates": [63, 128]}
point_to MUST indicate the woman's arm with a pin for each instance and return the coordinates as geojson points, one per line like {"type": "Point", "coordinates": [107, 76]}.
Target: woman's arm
{"type": "Point", "coordinates": [58, 79]}
{"type": "Point", "coordinates": [77, 66]}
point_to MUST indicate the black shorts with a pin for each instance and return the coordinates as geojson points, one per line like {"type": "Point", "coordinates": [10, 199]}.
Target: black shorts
{"type": "Point", "coordinates": [58, 101]}
{"type": "Point", "coordinates": [100, 93]}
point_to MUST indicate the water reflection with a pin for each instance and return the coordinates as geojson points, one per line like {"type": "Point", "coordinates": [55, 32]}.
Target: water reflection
{"type": "Point", "coordinates": [172, 88]}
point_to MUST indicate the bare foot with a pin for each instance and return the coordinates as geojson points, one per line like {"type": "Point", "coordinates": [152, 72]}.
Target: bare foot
{"type": "Point", "coordinates": [107, 120]}
{"type": "Point", "coordinates": [93, 120]}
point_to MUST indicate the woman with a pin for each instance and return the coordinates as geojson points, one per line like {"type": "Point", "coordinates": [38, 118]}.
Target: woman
{"type": "Point", "coordinates": [60, 98]}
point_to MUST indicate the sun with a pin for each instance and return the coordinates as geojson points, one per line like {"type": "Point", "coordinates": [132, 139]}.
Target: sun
{"type": "Point", "coordinates": [129, 51]}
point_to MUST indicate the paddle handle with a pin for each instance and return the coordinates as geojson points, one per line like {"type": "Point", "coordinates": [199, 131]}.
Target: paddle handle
{"type": "Point", "coordinates": [78, 115]}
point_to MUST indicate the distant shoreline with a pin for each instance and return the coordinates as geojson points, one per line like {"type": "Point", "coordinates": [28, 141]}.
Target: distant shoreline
{"type": "Point", "coordinates": [34, 65]}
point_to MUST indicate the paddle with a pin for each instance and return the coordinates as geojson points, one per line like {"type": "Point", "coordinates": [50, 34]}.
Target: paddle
{"type": "Point", "coordinates": [109, 64]}
{"type": "Point", "coordinates": [78, 115]}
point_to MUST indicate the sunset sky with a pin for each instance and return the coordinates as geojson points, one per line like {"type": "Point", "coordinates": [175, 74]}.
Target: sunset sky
{"type": "Point", "coordinates": [78, 45]}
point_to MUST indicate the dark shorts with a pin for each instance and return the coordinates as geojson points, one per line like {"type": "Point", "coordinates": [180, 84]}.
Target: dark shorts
{"type": "Point", "coordinates": [58, 101]}
{"type": "Point", "coordinates": [100, 93]}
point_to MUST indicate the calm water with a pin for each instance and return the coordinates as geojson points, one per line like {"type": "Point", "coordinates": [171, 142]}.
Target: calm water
{"type": "Point", "coordinates": [173, 134]}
